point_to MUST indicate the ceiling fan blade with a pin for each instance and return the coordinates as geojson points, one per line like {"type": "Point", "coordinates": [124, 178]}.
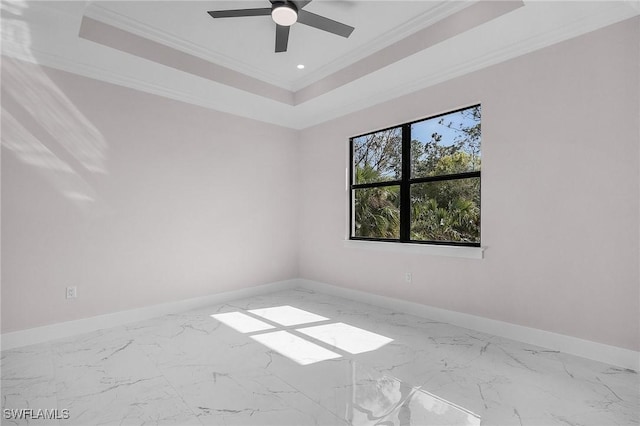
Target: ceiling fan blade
{"type": "Point", "coordinates": [325, 24]}
{"type": "Point", "coordinates": [282, 38]}
{"type": "Point", "coordinates": [239, 13]}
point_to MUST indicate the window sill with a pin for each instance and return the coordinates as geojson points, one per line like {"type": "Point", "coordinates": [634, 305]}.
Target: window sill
{"type": "Point", "coordinates": [432, 250]}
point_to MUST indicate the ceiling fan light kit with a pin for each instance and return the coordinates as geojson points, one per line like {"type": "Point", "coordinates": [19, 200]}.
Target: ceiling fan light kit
{"type": "Point", "coordinates": [285, 14]}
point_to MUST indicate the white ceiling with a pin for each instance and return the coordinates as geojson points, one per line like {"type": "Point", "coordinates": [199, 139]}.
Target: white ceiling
{"type": "Point", "coordinates": [340, 75]}
{"type": "Point", "coordinates": [247, 44]}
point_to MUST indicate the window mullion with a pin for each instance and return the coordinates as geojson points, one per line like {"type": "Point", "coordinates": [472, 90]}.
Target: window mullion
{"type": "Point", "coordinates": [405, 189]}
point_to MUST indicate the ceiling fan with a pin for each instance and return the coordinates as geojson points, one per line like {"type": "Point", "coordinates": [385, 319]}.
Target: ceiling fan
{"type": "Point", "coordinates": [285, 14]}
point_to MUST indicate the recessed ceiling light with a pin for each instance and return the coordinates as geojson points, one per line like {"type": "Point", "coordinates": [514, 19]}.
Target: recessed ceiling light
{"type": "Point", "coordinates": [300, 67]}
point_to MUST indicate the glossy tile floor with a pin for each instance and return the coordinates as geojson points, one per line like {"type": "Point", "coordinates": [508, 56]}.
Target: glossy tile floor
{"type": "Point", "coordinates": [302, 358]}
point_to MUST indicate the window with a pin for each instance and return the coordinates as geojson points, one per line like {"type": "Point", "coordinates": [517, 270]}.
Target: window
{"type": "Point", "coordinates": [419, 182]}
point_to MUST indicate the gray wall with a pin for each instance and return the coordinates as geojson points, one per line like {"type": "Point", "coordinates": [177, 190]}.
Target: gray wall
{"type": "Point", "coordinates": [152, 201]}
{"type": "Point", "coordinates": [560, 189]}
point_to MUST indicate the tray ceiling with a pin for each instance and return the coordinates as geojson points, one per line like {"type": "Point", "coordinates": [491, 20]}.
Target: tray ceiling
{"type": "Point", "coordinates": [175, 49]}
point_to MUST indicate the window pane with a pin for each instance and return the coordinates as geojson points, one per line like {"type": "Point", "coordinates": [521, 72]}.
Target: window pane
{"type": "Point", "coordinates": [447, 144]}
{"type": "Point", "coordinates": [377, 156]}
{"type": "Point", "coordinates": [377, 212]}
{"type": "Point", "coordinates": [446, 211]}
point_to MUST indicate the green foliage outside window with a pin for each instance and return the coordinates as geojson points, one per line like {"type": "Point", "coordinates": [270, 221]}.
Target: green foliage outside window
{"type": "Point", "coordinates": [444, 181]}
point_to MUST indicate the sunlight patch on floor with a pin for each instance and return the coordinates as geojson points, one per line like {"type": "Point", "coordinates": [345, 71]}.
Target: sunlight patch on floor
{"type": "Point", "coordinates": [346, 337]}
{"type": "Point", "coordinates": [286, 338]}
{"type": "Point", "coordinates": [242, 322]}
{"type": "Point", "coordinates": [295, 348]}
{"type": "Point", "coordinates": [287, 315]}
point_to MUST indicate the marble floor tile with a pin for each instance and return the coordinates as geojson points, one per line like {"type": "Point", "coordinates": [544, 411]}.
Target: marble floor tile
{"type": "Point", "coordinates": [28, 382]}
{"type": "Point", "coordinates": [386, 368]}
{"type": "Point", "coordinates": [129, 402]}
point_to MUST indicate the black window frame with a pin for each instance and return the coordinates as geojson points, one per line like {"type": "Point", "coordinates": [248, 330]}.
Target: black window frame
{"type": "Point", "coordinates": [405, 183]}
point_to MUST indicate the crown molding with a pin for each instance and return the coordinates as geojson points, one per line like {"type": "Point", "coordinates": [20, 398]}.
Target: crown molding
{"type": "Point", "coordinates": [194, 97]}
{"type": "Point", "coordinates": [58, 62]}
{"type": "Point", "coordinates": [125, 23]}
{"type": "Point", "coordinates": [300, 118]}
{"type": "Point", "coordinates": [570, 30]}
{"type": "Point", "coordinates": [423, 20]}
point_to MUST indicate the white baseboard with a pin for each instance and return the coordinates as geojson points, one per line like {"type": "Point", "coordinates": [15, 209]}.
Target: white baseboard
{"type": "Point", "coordinates": [613, 355]}
{"type": "Point", "coordinates": [60, 330]}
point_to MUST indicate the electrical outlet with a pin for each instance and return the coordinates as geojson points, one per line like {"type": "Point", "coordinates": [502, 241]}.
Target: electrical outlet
{"type": "Point", "coordinates": [407, 277]}
{"type": "Point", "coordinates": [72, 292]}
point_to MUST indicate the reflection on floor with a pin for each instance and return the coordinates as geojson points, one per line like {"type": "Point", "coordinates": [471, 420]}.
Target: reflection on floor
{"type": "Point", "coordinates": [303, 358]}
